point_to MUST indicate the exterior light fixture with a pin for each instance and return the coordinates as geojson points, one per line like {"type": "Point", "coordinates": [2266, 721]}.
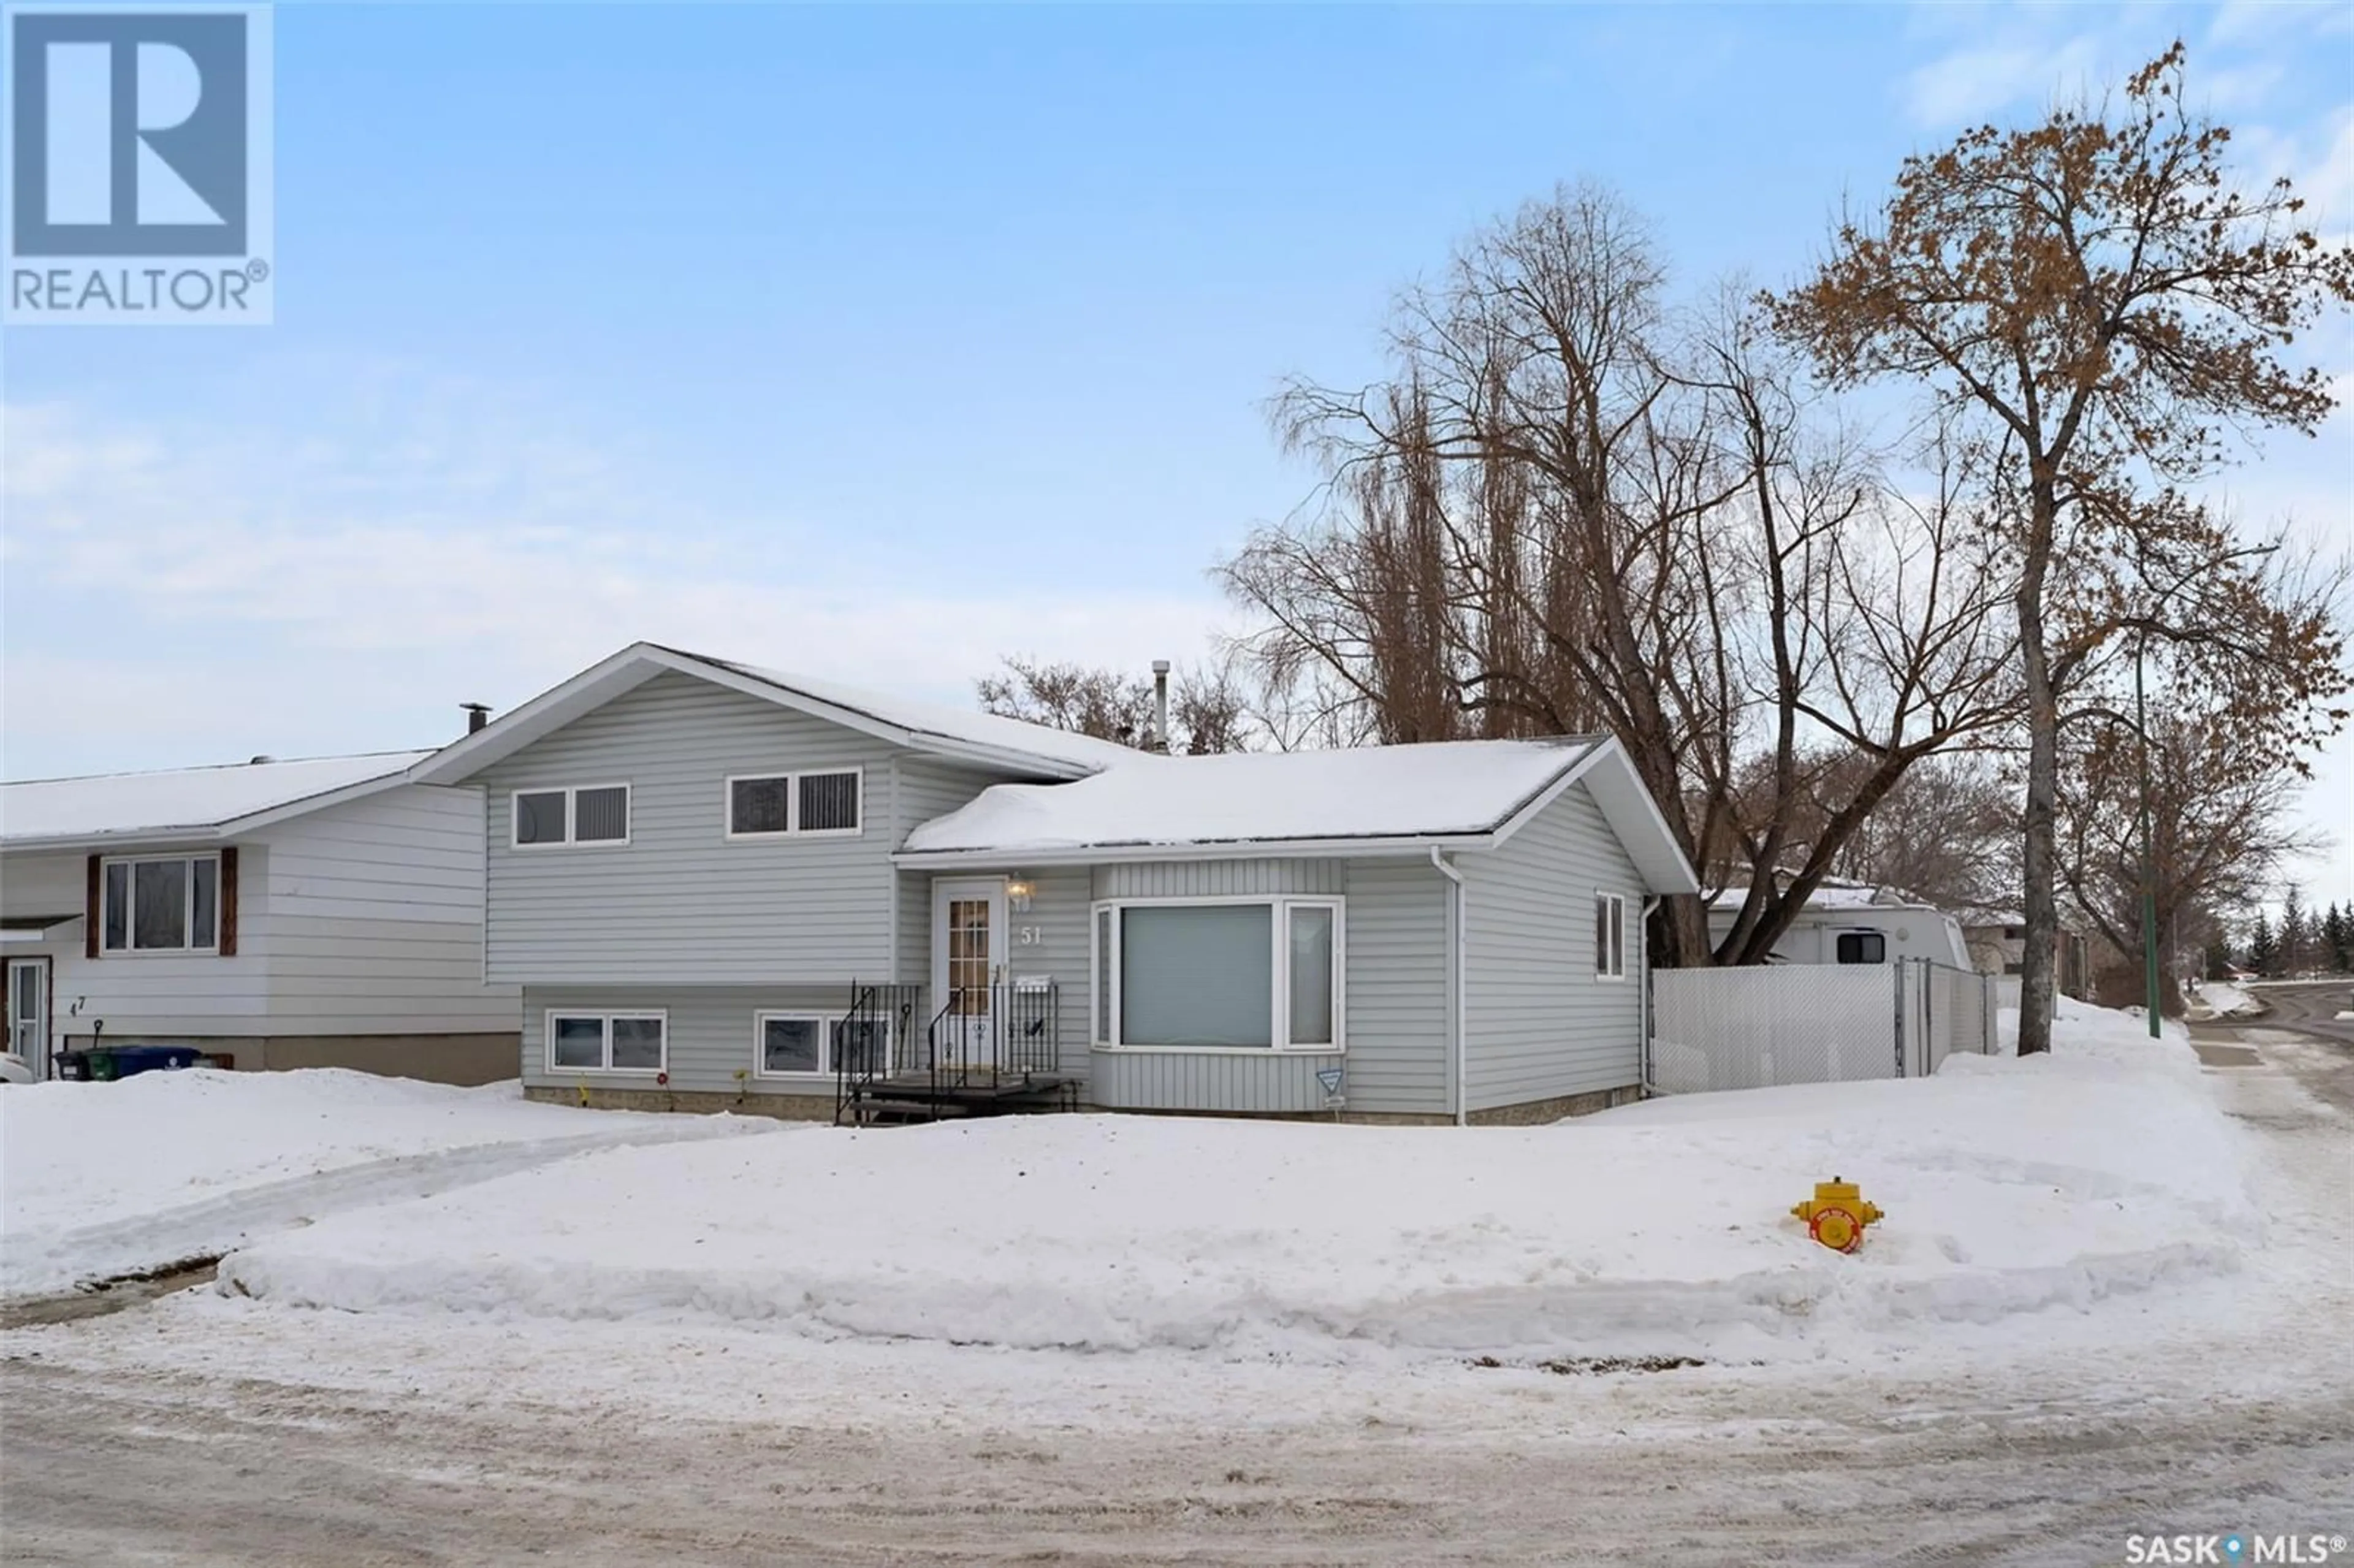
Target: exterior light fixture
{"type": "Point", "coordinates": [1017, 893]}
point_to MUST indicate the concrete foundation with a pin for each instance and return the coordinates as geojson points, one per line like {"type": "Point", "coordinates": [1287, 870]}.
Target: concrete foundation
{"type": "Point", "coordinates": [820, 1108]}
{"type": "Point", "coordinates": [462, 1059]}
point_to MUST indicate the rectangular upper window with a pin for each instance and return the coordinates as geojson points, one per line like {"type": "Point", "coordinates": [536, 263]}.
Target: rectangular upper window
{"type": "Point", "coordinates": [592, 1042]}
{"type": "Point", "coordinates": [1609, 937]}
{"type": "Point", "coordinates": [781, 805]}
{"type": "Point", "coordinates": [161, 904]}
{"type": "Point", "coordinates": [579, 814]}
{"type": "Point", "coordinates": [793, 1045]}
{"type": "Point", "coordinates": [1218, 974]}
{"type": "Point", "coordinates": [1863, 948]}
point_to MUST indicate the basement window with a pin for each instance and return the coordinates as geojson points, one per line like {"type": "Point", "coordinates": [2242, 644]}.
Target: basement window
{"type": "Point", "coordinates": [586, 1042]}
{"type": "Point", "coordinates": [808, 1044]}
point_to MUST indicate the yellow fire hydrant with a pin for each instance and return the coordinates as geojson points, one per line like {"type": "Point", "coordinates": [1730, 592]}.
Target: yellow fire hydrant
{"type": "Point", "coordinates": [1837, 1215]}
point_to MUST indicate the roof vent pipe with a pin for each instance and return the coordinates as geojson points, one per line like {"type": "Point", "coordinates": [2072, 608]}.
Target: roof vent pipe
{"type": "Point", "coordinates": [1160, 704]}
{"type": "Point", "coordinates": [477, 715]}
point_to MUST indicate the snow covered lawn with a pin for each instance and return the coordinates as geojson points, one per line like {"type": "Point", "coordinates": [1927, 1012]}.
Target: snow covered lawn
{"type": "Point", "coordinates": [2100, 1172]}
{"type": "Point", "coordinates": [99, 1179]}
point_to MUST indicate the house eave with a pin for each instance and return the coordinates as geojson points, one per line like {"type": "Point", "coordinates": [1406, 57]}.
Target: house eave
{"type": "Point", "coordinates": [622, 673]}
{"type": "Point", "coordinates": [996, 858]}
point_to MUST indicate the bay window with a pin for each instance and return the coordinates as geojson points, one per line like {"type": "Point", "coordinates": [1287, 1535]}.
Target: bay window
{"type": "Point", "coordinates": [1218, 974]}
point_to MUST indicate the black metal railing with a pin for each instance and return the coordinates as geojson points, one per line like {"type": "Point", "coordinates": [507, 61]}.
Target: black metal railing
{"type": "Point", "coordinates": [874, 1039]}
{"type": "Point", "coordinates": [993, 1035]}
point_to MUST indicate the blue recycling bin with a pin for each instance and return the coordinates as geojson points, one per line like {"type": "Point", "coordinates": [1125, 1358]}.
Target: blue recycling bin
{"type": "Point", "coordinates": [130, 1059]}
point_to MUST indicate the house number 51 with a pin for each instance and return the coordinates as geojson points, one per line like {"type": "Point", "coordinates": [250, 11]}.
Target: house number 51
{"type": "Point", "coordinates": [1026, 935]}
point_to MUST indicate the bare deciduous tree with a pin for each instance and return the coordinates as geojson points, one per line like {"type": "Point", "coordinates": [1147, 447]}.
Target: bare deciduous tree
{"type": "Point", "coordinates": [1565, 512]}
{"type": "Point", "coordinates": [1208, 709]}
{"type": "Point", "coordinates": [2099, 300]}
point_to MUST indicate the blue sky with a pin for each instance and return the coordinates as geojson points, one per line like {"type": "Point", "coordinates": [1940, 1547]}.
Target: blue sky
{"type": "Point", "coordinates": [876, 343]}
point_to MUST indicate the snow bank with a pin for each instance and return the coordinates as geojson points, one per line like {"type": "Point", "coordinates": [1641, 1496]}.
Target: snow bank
{"type": "Point", "coordinates": [98, 1178]}
{"type": "Point", "coordinates": [2012, 1187]}
{"type": "Point", "coordinates": [2225, 1000]}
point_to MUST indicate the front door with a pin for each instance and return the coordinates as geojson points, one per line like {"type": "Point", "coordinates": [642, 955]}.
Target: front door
{"type": "Point", "coordinates": [29, 1012]}
{"type": "Point", "coordinates": [968, 963]}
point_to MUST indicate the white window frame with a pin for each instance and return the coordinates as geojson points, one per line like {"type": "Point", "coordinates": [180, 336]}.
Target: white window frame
{"type": "Point", "coordinates": [1279, 921]}
{"type": "Point", "coordinates": [130, 948]}
{"type": "Point", "coordinates": [827, 1024]}
{"type": "Point", "coordinates": [792, 805]}
{"type": "Point", "coordinates": [605, 1015]}
{"type": "Point", "coordinates": [571, 817]}
{"type": "Point", "coordinates": [1617, 903]}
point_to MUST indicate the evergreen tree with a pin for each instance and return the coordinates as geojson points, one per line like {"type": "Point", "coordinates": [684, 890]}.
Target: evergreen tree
{"type": "Point", "coordinates": [2296, 940]}
{"type": "Point", "coordinates": [2218, 953]}
{"type": "Point", "coordinates": [2263, 951]}
{"type": "Point", "coordinates": [2335, 939]}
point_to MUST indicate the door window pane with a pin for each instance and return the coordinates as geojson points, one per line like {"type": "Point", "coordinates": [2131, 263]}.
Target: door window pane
{"type": "Point", "coordinates": [601, 816]}
{"type": "Point", "coordinates": [1311, 977]}
{"type": "Point", "coordinates": [159, 904]}
{"type": "Point", "coordinates": [207, 903]}
{"type": "Point", "coordinates": [829, 802]}
{"type": "Point", "coordinates": [118, 907]}
{"type": "Point", "coordinates": [579, 1043]}
{"type": "Point", "coordinates": [969, 955]}
{"type": "Point", "coordinates": [1197, 975]}
{"type": "Point", "coordinates": [759, 805]}
{"type": "Point", "coordinates": [791, 1046]}
{"type": "Point", "coordinates": [539, 818]}
{"type": "Point", "coordinates": [638, 1043]}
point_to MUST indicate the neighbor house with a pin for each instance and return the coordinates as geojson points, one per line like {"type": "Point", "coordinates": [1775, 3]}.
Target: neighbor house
{"type": "Point", "coordinates": [1997, 940]}
{"type": "Point", "coordinates": [324, 912]}
{"type": "Point", "coordinates": [1846, 922]}
{"type": "Point", "coordinates": [720, 886]}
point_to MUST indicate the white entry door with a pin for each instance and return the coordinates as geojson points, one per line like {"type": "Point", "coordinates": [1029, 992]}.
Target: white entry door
{"type": "Point", "coordinates": [967, 964]}
{"type": "Point", "coordinates": [29, 1012]}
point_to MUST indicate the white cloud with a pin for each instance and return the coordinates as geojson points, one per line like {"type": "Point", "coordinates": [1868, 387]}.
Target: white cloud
{"type": "Point", "coordinates": [344, 593]}
{"type": "Point", "coordinates": [1972, 84]}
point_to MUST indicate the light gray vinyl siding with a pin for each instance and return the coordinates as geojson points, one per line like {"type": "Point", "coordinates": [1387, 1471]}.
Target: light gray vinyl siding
{"type": "Point", "coordinates": [1220, 878]}
{"type": "Point", "coordinates": [356, 919]}
{"type": "Point", "coordinates": [923, 787]}
{"type": "Point", "coordinates": [1396, 1059]}
{"type": "Point", "coordinates": [371, 921]}
{"type": "Point", "coordinates": [680, 902]}
{"type": "Point", "coordinates": [1400, 1010]}
{"type": "Point", "coordinates": [1538, 1022]}
{"type": "Point", "coordinates": [1264, 1081]}
{"type": "Point", "coordinates": [710, 1031]}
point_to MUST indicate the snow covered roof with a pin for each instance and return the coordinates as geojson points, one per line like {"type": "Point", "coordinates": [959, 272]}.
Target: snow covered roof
{"type": "Point", "coordinates": [1470, 794]}
{"type": "Point", "coordinates": [186, 802]}
{"type": "Point", "coordinates": [927, 726]}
